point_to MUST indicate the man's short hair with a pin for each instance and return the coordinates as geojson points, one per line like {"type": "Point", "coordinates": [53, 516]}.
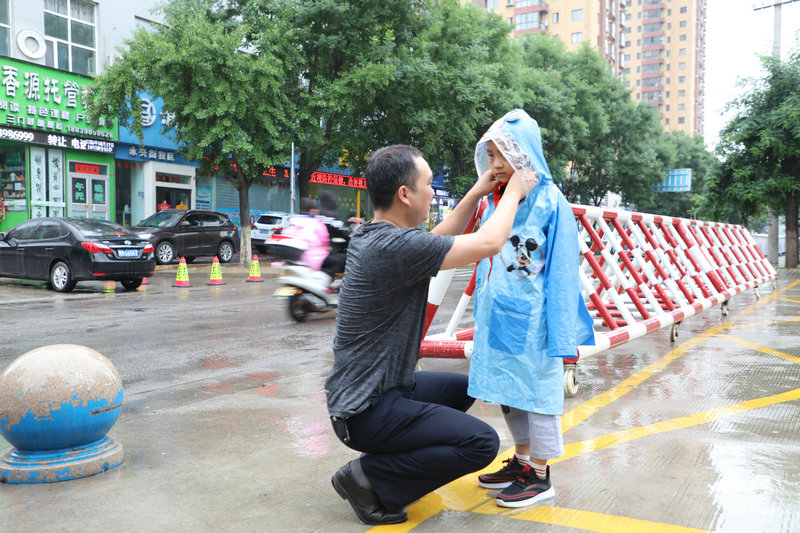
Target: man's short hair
{"type": "Point", "coordinates": [387, 170]}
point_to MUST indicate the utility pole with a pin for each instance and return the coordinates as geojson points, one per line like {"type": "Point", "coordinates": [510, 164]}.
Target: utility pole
{"type": "Point", "coordinates": [772, 217]}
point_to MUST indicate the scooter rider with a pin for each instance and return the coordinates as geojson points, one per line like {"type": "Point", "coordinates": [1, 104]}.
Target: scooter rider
{"type": "Point", "coordinates": [314, 233]}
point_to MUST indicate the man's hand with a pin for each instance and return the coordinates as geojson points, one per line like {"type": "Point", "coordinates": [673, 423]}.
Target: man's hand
{"type": "Point", "coordinates": [485, 184]}
{"type": "Point", "coordinates": [522, 182]}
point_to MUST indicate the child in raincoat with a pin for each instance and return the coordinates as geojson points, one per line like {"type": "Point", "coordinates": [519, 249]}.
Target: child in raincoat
{"type": "Point", "coordinates": [529, 312]}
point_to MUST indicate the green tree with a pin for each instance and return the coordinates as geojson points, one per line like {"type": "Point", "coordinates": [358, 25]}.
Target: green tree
{"type": "Point", "coordinates": [459, 75]}
{"type": "Point", "coordinates": [760, 148]}
{"type": "Point", "coordinates": [595, 136]}
{"type": "Point", "coordinates": [549, 97]}
{"type": "Point", "coordinates": [225, 84]}
{"type": "Point", "coordinates": [348, 54]}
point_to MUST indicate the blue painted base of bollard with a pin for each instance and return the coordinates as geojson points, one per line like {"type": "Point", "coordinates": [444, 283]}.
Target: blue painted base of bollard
{"type": "Point", "coordinates": [61, 465]}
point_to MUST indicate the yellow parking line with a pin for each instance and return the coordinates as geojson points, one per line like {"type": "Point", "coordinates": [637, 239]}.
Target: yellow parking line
{"type": "Point", "coordinates": [761, 324]}
{"type": "Point", "coordinates": [790, 300]}
{"type": "Point", "coordinates": [627, 435]}
{"type": "Point", "coordinates": [763, 349]}
{"type": "Point", "coordinates": [590, 521]}
{"type": "Point", "coordinates": [767, 299]}
{"type": "Point", "coordinates": [591, 406]}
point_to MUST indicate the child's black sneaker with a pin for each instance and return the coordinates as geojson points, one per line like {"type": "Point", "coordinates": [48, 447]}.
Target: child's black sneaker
{"type": "Point", "coordinates": [526, 490]}
{"type": "Point", "coordinates": [503, 477]}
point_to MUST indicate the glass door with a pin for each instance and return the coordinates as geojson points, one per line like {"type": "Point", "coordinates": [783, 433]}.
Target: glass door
{"type": "Point", "coordinates": [88, 185]}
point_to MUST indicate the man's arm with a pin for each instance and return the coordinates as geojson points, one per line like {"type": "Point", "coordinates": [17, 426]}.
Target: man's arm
{"type": "Point", "coordinates": [491, 236]}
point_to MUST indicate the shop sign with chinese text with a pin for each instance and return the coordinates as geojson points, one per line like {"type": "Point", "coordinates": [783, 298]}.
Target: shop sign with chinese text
{"type": "Point", "coordinates": [40, 98]}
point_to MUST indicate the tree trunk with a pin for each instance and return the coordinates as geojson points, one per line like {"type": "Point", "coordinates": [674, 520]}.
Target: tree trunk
{"type": "Point", "coordinates": [772, 237]}
{"type": "Point", "coordinates": [245, 252]}
{"type": "Point", "coordinates": [791, 231]}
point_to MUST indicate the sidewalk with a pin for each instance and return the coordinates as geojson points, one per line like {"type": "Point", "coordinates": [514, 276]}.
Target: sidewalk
{"type": "Point", "coordinates": [700, 435]}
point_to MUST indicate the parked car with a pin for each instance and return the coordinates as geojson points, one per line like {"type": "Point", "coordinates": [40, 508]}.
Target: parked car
{"type": "Point", "coordinates": [65, 251]}
{"type": "Point", "coordinates": [265, 225]}
{"type": "Point", "coordinates": [177, 233]}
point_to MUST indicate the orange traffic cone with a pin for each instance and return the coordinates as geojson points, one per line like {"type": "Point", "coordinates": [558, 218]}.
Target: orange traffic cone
{"type": "Point", "coordinates": [255, 270]}
{"type": "Point", "coordinates": [216, 273]}
{"type": "Point", "coordinates": [182, 279]}
{"type": "Point", "coordinates": [145, 282]}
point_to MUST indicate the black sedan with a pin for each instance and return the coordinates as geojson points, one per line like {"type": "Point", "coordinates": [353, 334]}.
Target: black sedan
{"type": "Point", "coordinates": [177, 233]}
{"type": "Point", "coordinates": [65, 251]}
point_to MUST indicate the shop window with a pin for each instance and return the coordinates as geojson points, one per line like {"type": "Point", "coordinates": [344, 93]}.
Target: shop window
{"type": "Point", "coordinates": [70, 29]}
{"type": "Point", "coordinates": [12, 178]}
{"type": "Point", "coordinates": [5, 29]}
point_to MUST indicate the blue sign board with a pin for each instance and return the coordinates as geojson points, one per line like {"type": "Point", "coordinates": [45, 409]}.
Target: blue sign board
{"type": "Point", "coordinates": [675, 180]}
{"type": "Point", "coordinates": [153, 121]}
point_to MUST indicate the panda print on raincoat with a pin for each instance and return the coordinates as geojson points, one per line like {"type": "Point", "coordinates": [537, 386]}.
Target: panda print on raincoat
{"type": "Point", "coordinates": [529, 311]}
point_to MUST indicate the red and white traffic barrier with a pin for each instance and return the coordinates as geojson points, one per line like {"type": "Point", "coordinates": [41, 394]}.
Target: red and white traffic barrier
{"type": "Point", "coordinates": [639, 273]}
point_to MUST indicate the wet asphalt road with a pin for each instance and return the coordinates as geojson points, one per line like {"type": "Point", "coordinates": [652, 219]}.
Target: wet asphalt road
{"type": "Point", "coordinates": [159, 335]}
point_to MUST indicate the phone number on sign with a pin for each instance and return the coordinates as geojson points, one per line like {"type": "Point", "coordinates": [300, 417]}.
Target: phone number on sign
{"type": "Point", "coordinates": [15, 135]}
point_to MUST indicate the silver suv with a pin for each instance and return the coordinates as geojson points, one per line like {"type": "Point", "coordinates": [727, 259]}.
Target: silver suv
{"type": "Point", "coordinates": [265, 226]}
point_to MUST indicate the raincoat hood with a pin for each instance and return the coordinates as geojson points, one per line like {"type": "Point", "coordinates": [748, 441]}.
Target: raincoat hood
{"type": "Point", "coordinates": [518, 137]}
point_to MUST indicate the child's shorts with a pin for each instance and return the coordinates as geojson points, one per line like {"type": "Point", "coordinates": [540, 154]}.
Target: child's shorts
{"type": "Point", "coordinates": [542, 432]}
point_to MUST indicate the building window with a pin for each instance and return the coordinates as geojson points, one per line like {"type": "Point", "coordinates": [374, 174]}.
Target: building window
{"type": "Point", "coordinates": [555, 18]}
{"type": "Point", "coordinates": [651, 68]}
{"type": "Point", "coordinates": [682, 65]}
{"type": "Point", "coordinates": [681, 79]}
{"type": "Point", "coordinates": [667, 107]}
{"type": "Point", "coordinates": [5, 29]}
{"type": "Point", "coordinates": [683, 36]}
{"type": "Point", "coordinates": [577, 14]}
{"type": "Point", "coordinates": [69, 27]}
{"type": "Point", "coordinates": [577, 37]}
{"type": "Point", "coordinates": [683, 9]}
{"type": "Point", "coordinates": [681, 107]}
{"type": "Point", "coordinates": [491, 4]}
{"type": "Point", "coordinates": [682, 52]}
{"type": "Point", "coordinates": [666, 121]}
{"type": "Point", "coordinates": [681, 120]}
{"type": "Point", "coordinates": [527, 21]}
{"type": "Point", "coordinates": [682, 92]}
{"type": "Point", "coordinates": [510, 20]}
{"type": "Point", "coordinates": [683, 24]}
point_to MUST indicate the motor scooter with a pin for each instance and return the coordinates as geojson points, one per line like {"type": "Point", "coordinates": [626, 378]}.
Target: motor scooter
{"type": "Point", "coordinates": [305, 289]}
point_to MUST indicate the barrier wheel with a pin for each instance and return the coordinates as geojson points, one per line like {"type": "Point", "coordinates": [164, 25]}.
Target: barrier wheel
{"type": "Point", "coordinates": [724, 308]}
{"type": "Point", "coordinates": [673, 333]}
{"type": "Point", "coordinates": [570, 380]}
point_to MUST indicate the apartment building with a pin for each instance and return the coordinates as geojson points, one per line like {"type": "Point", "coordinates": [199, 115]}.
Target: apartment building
{"type": "Point", "coordinates": [657, 46]}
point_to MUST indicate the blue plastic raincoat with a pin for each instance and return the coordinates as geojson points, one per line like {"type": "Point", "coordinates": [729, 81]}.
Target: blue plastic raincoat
{"type": "Point", "coordinates": [529, 312]}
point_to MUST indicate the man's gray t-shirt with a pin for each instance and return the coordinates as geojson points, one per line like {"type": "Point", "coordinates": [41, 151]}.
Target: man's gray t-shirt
{"type": "Point", "coordinates": [381, 312]}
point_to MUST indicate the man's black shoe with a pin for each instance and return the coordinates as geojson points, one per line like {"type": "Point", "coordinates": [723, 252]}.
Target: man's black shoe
{"type": "Point", "coordinates": [364, 502]}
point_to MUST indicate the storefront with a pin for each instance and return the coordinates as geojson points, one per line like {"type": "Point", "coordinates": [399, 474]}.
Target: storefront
{"type": "Point", "coordinates": [52, 161]}
{"type": "Point", "coordinates": [151, 174]}
{"type": "Point", "coordinates": [351, 192]}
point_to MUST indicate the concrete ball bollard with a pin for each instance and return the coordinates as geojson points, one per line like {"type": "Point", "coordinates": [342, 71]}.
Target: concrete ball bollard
{"type": "Point", "coordinates": [57, 403]}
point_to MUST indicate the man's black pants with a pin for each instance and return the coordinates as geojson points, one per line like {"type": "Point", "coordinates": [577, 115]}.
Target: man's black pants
{"type": "Point", "coordinates": [418, 438]}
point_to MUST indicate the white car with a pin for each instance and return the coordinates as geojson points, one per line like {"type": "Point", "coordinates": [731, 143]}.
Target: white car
{"type": "Point", "coordinates": [264, 226]}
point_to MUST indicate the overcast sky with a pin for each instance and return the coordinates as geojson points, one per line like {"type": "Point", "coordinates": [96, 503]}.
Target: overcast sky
{"type": "Point", "coordinates": [735, 35]}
